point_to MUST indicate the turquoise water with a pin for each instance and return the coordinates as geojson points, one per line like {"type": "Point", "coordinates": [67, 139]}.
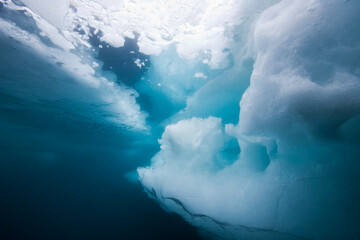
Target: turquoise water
{"type": "Point", "coordinates": [63, 176]}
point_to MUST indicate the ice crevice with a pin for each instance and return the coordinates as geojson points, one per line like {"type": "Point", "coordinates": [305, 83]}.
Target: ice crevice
{"type": "Point", "coordinates": [224, 225]}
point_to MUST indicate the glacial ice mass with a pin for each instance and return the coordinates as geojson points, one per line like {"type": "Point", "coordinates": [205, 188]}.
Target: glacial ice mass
{"type": "Point", "coordinates": [258, 103]}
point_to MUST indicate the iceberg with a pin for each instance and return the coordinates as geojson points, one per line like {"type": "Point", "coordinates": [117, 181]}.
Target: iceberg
{"type": "Point", "coordinates": [256, 104]}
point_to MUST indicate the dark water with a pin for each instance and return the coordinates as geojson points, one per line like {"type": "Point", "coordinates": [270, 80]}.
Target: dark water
{"type": "Point", "coordinates": [77, 192]}
{"type": "Point", "coordinates": [61, 175]}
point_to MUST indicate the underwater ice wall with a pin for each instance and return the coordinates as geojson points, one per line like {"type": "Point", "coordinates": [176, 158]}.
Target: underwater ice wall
{"type": "Point", "coordinates": [296, 176]}
{"type": "Point", "coordinates": [62, 70]}
{"type": "Point", "coordinates": [262, 99]}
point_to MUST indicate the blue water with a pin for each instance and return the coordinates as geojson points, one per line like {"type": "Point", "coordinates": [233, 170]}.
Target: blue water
{"type": "Point", "coordinates": [62, 176]}
{"type": "Point", "coordinates": [79, 195]}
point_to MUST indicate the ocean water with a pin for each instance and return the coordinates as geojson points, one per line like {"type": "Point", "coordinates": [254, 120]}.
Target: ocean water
{"type": "Point", "coordinates": [62, 178]}
{"type": "Point", "coordinates": [77, 193]}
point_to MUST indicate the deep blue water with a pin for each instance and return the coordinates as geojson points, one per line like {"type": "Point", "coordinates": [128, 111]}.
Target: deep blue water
{"type": "Point", "coordinates": [62, 176]}
{"type": "Point", "coordinates": [77, 193]}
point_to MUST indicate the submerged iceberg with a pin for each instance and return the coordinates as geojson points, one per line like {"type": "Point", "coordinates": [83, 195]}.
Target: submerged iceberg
{"type": "Point", "coordinates": [258, 103]}
{"type": "Point", "coordinates": [296, 173]}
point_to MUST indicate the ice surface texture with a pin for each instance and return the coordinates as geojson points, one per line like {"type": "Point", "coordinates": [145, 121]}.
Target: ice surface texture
{"type": "Point", "coordinates": [296, 174]}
